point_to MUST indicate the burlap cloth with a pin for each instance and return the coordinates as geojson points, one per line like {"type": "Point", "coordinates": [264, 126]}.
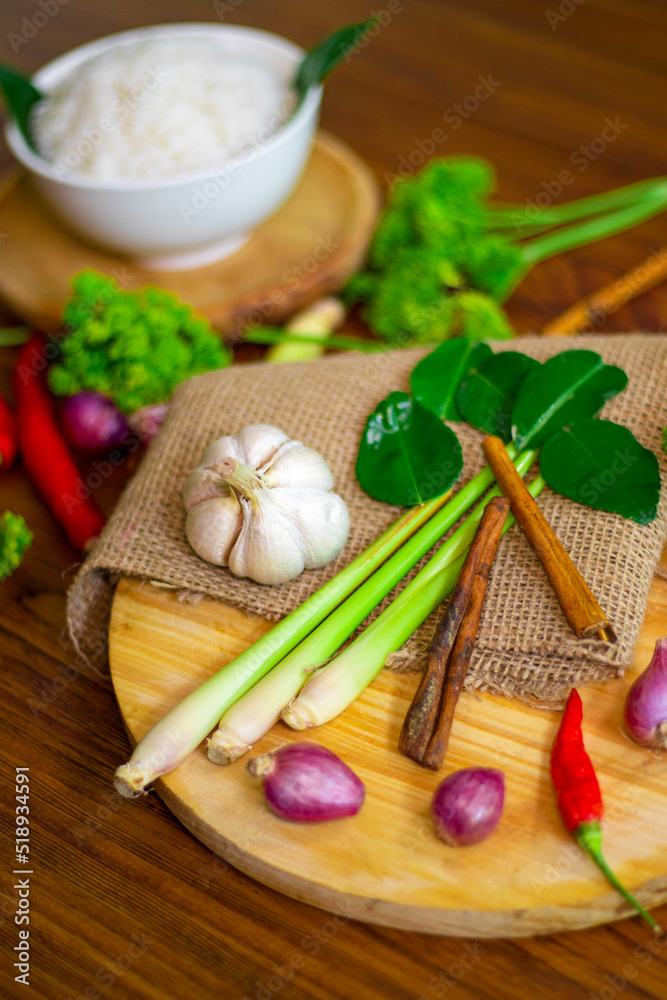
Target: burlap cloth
{"type": "Point", "coordinates": [524, 647]}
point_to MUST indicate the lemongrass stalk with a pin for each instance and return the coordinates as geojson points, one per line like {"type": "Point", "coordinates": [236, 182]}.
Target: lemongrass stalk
{"type": "Point", "coordinates": [249, 718]}
{"type": "Point", "coordinates": [182, 729]}
{"type": "Point", "coordinates": [13, 335]}
{"type": "Point", "coordinates": [281, 335]}
{"type": "Point", "coordinates": [334, 687]}
{"type": "Point", "coordinates": [317, 321]}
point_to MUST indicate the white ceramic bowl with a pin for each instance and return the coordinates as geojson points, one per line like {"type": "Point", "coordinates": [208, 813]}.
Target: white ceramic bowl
{"type": "Point", "coordinates": [196, 217]}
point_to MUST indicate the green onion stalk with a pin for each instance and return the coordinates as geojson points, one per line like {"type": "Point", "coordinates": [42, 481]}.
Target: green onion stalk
{"type": "Point", "coordinates": [591, 230]}
{"type": "Point", "coordinates": [173, 738]}
{"type": "Point", "coordinates": [334, 687]}
{"type": "Point", "coordinates": [249, 718]}
{"type": "Point", "coordinates": [540, 219]}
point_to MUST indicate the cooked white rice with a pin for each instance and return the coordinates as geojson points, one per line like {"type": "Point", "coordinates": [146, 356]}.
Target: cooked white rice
{"type": "Point", "coordinates": [158, 109]}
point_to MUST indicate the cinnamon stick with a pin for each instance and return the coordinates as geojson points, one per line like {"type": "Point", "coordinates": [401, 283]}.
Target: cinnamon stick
{"type": "Point", "coordinates": [459, 661]}
{"type": "Point", "coordinates": [584, 313]}
{"type": "Point", "coordinates": [579, 605]}
{"type": "Point", "coordinates": [421, 719]}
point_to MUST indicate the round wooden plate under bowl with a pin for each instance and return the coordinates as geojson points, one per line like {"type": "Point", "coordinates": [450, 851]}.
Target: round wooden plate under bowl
{"type": "Point", "coordinates": [307, 249]}
{"type": "Point", "coordinates": [385, 865]}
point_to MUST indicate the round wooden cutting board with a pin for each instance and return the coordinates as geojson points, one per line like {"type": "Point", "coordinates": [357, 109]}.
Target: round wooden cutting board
{"type": "Point", "coordinates": [308, 248]}
{"type": "Point", "coordinates": [385, 865]}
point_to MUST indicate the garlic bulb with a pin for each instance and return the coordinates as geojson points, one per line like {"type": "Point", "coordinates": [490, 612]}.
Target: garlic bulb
{"type": "Point", "coordinates": [262, 504]}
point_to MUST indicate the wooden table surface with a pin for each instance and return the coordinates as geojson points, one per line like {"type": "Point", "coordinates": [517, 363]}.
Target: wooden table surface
{"type": "Point", "coordinates": [124, 902]}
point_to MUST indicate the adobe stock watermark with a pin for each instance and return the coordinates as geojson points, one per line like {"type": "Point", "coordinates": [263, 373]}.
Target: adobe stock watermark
{"type": "Point", "coordinates": [434, 483]}
{"type": "Point", "coordinates": [449, 978]}
{"type": "Point", "coordinates": [43, 13]}
{"type": "Point", "coordinates": [623, 290]}
{"type": "Point", "coordinates": [580, 158]}
{"type": "Point", "coordinates": [51, 350]}
{"type": "Point", "coordinates": [382, 18]}
{"type": "Point", "coordinates": [220, 178]}
{"type": "Point", "coordinates": [224, 7]}
{"type": "Point", "coordinates": [643, 954]}
{"type": "Point", "coordinates": [51, 691]}
{"type": "Point", "coordinates": [566, 9]}
{"type": "Point", "coordinates": [109, 973]}
{"type": "Point", "coordinates": [291, 280]}
{"type": "Point", "coordinates": [597, 486]}
{"type": "Point", "coordinates": [312, 943]}
{"type": "Point", "coordinates": [101, 471]}
{"type": "Point", "coordinates": [118, 111]}
{"type": "Point", "coordinates": [95, 819]}
{"type": "Point", "coordinates": [453, 117]}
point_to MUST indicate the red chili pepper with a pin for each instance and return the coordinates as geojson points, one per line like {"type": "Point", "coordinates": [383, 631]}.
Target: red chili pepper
{"type": "Point", "coordinates": [8, 439]}
{"type": "Point", "coordinates": [579, 797]}
{"type": "Point", "coordinates": [45, 453]}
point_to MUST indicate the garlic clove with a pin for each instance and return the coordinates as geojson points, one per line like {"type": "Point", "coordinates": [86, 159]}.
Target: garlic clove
{"type": "Point", "coordinates": [213, 527]}
{"type": "Point", "coordinates": [285, 446]}
{"type": "Point", "coordinates": [258, 443]}
{"type": "Point", "coordinates": [224, 447]}
{"type": "Point", "coordinates": [268, 549]}
{"type": "Point", "coordinates": [321, 519]}
{"type": "Point", "coordinates": [299, 467]}
{"type": "Point", "coordinates": [203, 484]}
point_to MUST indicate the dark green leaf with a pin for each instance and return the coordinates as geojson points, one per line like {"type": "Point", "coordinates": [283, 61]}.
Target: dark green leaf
{"type": "Point", "coordinates": [407, 455]}
{"type": "Point", "coordinates": [571, 386]}
{"type": "Point", "coordinates": [487, 394]}
{"type": "Point", "coordinates": [435, 378]}
{"type": "Point", "coordinates": [324, 57]}
{"type": "Point", "coordinates": [20, 95]}
{"type": "Point", "coordinates": [601, 464]}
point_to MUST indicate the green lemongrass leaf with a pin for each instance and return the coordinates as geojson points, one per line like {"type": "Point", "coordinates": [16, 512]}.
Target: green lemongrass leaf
{"type": "Point", "coordinates": [571, 386]}
{"type": "Point", "coordinates": [177, 733]}
{"type": "Point", "coordinates": [487, 394]}
{"type": "Point", "coordinates": [434, 380]}
{"type": "Point", "coordinates": [330, 690]}
{"type": "Point", "coordinates": [10, 336]}
{"type": "Point", "coordinates": [603, 465]}
{"type": "Point", "coordinates": [280, 335]}
{"type": "Point", "coordinates": [20, 96]}
{"type": "Point", "coordinates": [255, 713]}
{"type": "Point", "coordinates": [327, 54]}
{"type": "Point", "coordinates": [407, 455]}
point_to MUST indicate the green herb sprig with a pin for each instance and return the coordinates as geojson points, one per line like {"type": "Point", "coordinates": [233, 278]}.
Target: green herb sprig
{"type": "Point", "coordinates": [132, 346]}
{"type": "Point", "coordinates": [15, 537]}
{"type": "Point", "coordinates": [444, 257]}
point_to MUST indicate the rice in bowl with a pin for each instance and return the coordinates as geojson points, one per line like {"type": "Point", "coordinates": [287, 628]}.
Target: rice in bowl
{"type": "Point", "coordinates": [159, 109]}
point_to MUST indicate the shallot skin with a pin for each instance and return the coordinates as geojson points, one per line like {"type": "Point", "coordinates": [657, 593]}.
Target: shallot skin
{"type": "Point", "coordinates": [645, 711]}
{"type": "Point", "coordinates": [306, 783]}
{"type": "Point", "coordinates": [92, 423]}
{"type": "Point", "coordinates": [467, 805]}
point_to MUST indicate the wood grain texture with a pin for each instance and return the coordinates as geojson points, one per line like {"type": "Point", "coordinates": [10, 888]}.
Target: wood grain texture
{"type": "Point", "coordinates": [308, 248]}
{"type": "Point", "coordinates": [385, 865]}
{"type": "Point", "coordinates": [106, 869]}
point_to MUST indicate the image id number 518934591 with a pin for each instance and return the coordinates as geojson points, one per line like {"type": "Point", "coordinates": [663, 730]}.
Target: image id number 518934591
{"type": "Point", "coordinates": [22, 884]}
